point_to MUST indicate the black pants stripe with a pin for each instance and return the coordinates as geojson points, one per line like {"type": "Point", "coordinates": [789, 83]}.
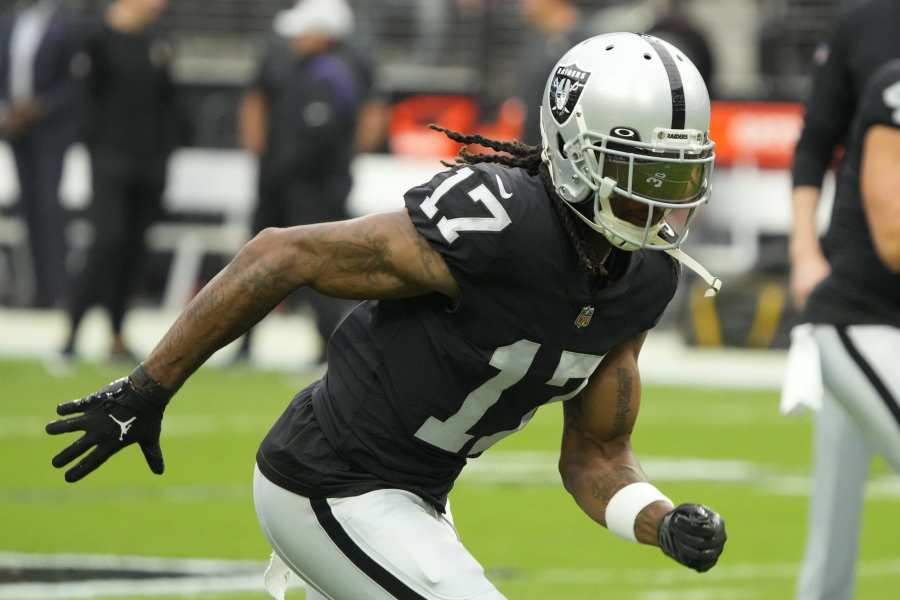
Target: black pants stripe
{"type": "Point", "coordinates": [363, 561]}
{"type": "Point", "coordinates": [883, 392]}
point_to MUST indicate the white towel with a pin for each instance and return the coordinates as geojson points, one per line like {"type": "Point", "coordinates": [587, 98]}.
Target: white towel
{"type": "Point", "coordinates": [802, 387]}
{"type": "Point", "coordinates": [278, 577]}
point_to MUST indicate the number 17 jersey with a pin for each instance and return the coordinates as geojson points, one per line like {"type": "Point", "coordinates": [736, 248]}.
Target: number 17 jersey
{"type": "Point", "coordinates": [415, 387]}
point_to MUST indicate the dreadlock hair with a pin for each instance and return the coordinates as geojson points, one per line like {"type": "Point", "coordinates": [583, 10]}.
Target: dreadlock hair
{"type": "Point", "coordinates": [592, 249]}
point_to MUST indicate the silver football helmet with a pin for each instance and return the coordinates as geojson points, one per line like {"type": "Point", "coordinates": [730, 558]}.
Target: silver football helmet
{"type": "Point", "coordinates": [625, 128]}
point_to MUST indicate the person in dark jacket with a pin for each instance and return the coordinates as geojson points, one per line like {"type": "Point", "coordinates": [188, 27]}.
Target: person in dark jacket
{"type": "Point", "coordinates": [39, 43]}
{"type": "Point", "coordinates": [300, 117]}
{"type": "Point", "coordinates": [559, 26]}
{"type": "Point", "coordinates": [130, 133]}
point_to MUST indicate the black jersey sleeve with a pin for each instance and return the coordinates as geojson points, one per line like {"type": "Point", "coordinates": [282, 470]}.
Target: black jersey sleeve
{"type": "Point", "coordinates": [267, 72]}
{"type": "Point", "coordinates": [881, 101]}
{"type": "Point", "coordinates": [464, 213]}
{"type": "Point", "coordinates": [828, 110]}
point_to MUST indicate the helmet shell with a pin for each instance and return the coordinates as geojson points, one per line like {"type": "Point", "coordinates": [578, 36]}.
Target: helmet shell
{"type": "Point", "coordinates": [622, 85]}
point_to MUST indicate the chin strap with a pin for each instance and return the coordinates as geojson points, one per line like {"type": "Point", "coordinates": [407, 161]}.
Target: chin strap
{"type": "Point", "coordinates": [714, 283]}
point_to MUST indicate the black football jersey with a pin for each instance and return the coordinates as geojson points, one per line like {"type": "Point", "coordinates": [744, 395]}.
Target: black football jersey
{"type": "Point", "coordinates": [860, 289]}
{"type": "Point", "coordinates": [415, 387]}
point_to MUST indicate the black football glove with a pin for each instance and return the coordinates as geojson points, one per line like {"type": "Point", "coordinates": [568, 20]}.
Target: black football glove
{"type": "Point", "coordinates": [693, 535]}
{"type": "Point", "coordinates": [127, 411]}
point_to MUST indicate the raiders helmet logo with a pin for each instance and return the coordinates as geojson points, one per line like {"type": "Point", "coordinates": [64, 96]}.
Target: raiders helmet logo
{"type": "Point", "coordinates": [565, 88]}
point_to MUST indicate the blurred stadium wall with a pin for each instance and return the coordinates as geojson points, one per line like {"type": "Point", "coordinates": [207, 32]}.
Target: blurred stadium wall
{"type": "Point", "coordinates": [456, 66]}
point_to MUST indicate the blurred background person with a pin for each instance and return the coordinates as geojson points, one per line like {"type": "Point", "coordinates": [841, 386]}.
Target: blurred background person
{"type": "Point", "coordinates": [559, 26]}
{"type": "Point", "coordinates": [39, 117]}
{"type": "Point", "coordinates": [676, 27]}
{"type": "Point", "coordinates": [864, 39]}
{"type": "Point", "coordinates": [130, 133]}
{"type": "Point", "coordinates": [301, 117]}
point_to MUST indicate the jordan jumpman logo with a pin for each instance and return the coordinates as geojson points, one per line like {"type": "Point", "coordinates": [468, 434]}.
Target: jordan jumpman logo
{"type": "Point", "coordinates": [123, 426]}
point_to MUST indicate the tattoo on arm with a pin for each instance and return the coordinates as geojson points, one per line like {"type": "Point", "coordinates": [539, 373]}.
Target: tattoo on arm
{"type": "Point", "coordinates": [624, 378]}
{"type": "Point", "coordinates": [603, 488]}
{"type": "Point", "coordinates": [370, 256]}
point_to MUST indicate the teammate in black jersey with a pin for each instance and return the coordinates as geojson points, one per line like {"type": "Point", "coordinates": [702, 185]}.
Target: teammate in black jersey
{"type": "Point", "coordinates": [509, 281]}
{"type": "Point", "coordinates": [855, 313]}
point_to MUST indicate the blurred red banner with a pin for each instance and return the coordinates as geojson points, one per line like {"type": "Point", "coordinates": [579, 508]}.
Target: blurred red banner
{"type": "Point", "coordinates": [762, 134]}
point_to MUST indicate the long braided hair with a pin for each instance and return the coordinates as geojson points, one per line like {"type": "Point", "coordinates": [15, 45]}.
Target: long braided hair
{"type": "Point", "coordinates": [592, 249]}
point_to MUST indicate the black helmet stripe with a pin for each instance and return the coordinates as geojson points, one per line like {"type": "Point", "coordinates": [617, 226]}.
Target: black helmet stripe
{"type": "Point", "coordinates": [678, 104]}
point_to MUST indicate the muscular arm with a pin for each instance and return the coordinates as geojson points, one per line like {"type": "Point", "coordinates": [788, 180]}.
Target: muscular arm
{"type": "Point", "coordinates": [880, 183]}
{"type": "Point", "coordinates": [378, 256]}
{"type": "Point", "coordinates": [596, 459]}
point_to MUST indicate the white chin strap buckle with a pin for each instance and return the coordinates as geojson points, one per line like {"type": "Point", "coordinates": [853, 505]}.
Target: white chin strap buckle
{"type": "Point", "coordinates": [714, 283]}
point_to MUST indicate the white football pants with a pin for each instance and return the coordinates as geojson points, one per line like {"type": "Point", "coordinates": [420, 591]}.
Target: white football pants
{"type": "Point", "coordinates": [860, 416]}
{"type": "Point", "coordinates": [383, 545]}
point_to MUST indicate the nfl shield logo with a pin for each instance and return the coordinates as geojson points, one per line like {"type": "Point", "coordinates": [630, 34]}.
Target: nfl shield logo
{"type": "Point", "coordinates": [584, 317]}
{"type": "Point", "coordinates": [565, 89]}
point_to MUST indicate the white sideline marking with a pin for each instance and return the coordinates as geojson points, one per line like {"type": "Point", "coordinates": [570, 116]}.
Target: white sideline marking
{"type": "Point", "coordinates": [699, 594]}
{"type": "Point", "coordinates": [141, 564]}
{"type": "Point", "coordinates": [518, 468]}
{"type": "Point", "coordinates": [539, 468]}
{"type": "Point", "coordinates": [678, 575]}
{"type": "Point", "coordinates": [181, 586]}
{"type": "Point", "coordinates": [224, 576]}
{"type": "Point", "coordinates": [203, 576]}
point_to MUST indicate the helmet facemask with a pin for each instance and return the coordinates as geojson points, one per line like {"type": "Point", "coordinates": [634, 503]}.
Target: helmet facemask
{"type": "Point", "coordinates": [645, 194]}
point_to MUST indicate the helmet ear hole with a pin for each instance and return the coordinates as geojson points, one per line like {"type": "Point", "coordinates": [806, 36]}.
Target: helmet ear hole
{"type": "Point", "coordinates": [561, 145]}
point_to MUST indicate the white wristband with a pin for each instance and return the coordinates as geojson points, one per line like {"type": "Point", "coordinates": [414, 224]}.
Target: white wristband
{"type": "Point", "coordinates": [626, 505]}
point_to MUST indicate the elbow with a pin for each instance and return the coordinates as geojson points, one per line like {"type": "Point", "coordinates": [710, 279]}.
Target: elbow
{"type": "Point", "coordinates": [263, 245]}
{"type": "Point", "coordinates": [266, 253]}
{"type": "Point", "coordinates": [578, 466]}
{"type": "Point", "coordinates": [887, 245]}
{"type": "Point", "coordinates": [571, 472]}
{"type": "Point", "coordinates": [889, 253]}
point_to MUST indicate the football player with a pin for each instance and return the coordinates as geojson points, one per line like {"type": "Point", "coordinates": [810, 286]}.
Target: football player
{"type": "Point", "coordinates": [510, 281]}
{"type": "Point", "coordinates": [855, 313]}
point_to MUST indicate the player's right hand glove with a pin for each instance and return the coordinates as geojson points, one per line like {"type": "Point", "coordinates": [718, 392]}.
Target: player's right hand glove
{"type": "Point", "coordinates": [693, 535]}
{"type": "Point", "coordinates": [127, 411]}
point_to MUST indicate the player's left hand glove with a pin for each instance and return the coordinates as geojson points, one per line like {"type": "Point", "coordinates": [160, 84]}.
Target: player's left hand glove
{"type": "Point", "coordinates": [693, 535]}
{"type": "Point", "coordinates": [127, 411]}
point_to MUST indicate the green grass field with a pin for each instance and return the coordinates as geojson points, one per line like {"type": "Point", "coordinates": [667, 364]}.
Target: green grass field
{"type": "Point", "coordinates": [527, 532]}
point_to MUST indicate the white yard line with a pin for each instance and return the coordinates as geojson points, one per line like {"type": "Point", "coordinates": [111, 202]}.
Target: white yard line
{"type": "Point", "coordinates": [219, 576]}
{"type": "Point", "coordinates": [525, 468]}
{"type": "Point", "coordinates": [139, 564]}
{"type": "Point", "coordinates": [202, 576]}
{"type": "Point", "coordinates": [699, 594]}
{"type": "Point", "coordinates": [187, 586]}
{"type": "Point", "coordinates": [676, 575]}
{"type": "Point", "coordinates": [539, 468]}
